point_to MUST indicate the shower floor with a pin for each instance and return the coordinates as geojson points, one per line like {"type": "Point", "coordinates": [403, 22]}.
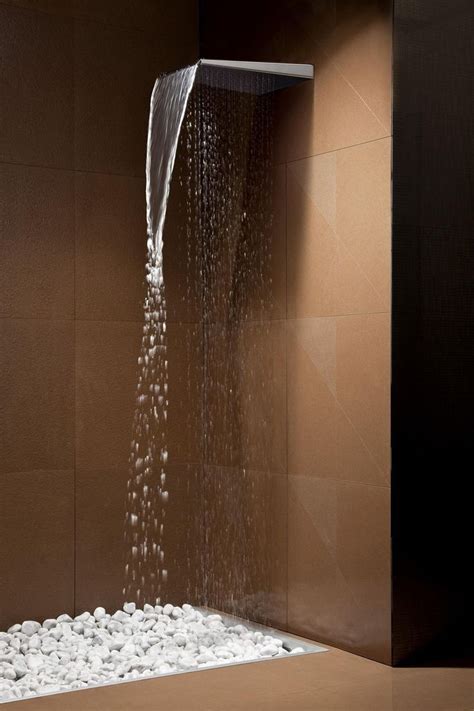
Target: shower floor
{"type": "Point", "coordinates": [98, 649]}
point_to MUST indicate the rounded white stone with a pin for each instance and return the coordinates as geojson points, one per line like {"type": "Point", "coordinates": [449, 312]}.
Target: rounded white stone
{"type": "Point", "coordinates": [30, 627]}
{"type": "Point", "coordinates": [297, 650]}
{"type": "Point", "coordinates": [132, 643]}
{"type": "Point", "coordinates": [49, 624]}
{"type": "Point", "coordinates": [84, 617]}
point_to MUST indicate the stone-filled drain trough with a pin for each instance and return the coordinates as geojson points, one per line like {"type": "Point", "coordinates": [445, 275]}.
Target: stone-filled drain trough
{"type": "Point", "coordinates": [95, 649]}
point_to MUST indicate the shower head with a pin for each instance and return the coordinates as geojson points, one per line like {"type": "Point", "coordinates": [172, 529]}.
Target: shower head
{"type": "Point", "coordinates": [252, 77]}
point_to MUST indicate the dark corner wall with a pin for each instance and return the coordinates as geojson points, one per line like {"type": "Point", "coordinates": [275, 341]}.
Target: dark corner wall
{"type": "Point", "coordinates": [75, 86]}
{"type": "Point", "coordinates": [432, 322]}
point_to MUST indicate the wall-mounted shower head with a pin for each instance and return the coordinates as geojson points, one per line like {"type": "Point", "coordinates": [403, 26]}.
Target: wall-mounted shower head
{"type": "Point", "coordinates": [252, 77]}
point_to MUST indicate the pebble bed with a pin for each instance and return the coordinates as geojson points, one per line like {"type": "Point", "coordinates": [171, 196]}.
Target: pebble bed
{"type": "Point", "coordinates": [65, 654]}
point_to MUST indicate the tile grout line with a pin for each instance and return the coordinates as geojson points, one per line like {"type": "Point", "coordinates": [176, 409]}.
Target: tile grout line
{"type": "Point", "coordinates": [79, 18]}
{"type": "Point", "coordinates": [74, 318]}
{"type": "Point", "coordinates": [336, 480]}
{"type": "Point", "coordinates": [342, 148]}
{"type": "Point", "coordinates": [64, 169]}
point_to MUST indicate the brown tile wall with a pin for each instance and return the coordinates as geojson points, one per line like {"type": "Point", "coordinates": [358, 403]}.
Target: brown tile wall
{"type": "Point", "coordinates": [334, 156]}
{"type": "Point", "coordinates": [75, 85]}
{"type": "Point", "coordinates": [317, 475]}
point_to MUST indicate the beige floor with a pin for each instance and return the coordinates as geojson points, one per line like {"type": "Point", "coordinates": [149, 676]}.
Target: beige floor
{"type": "Point", "coordinates": [333, 681]}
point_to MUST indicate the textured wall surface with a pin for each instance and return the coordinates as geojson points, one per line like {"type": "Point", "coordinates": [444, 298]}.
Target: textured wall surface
{"type": "Point", "coordinates": [334, 181]}
{"type": "Point", "coordinates": [75, 82]}
{"type": "Point", "coordinates": [433, 314]}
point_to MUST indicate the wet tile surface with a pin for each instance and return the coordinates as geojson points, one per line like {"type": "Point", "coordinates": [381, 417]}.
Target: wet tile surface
{"type": "Point", "coordinates": [339, 563]}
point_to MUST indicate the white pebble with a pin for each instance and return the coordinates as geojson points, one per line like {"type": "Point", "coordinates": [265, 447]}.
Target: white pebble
{"type": "Point", "coordinates": [83, 617]}
{"type": "Point", "coordinates": [297, 650]}
{"type": "Point", "coordinates": [49, 624]}
{"type": "Point", "coordinates": [30, 627]}
{"type": "Point", "coordinates": [64, 618]}
{"type": "Point", "coordinates": [91, 649]}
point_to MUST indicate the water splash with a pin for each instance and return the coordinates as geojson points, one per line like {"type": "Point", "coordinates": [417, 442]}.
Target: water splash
{"type": "Point", "coordinates": [147, 495]}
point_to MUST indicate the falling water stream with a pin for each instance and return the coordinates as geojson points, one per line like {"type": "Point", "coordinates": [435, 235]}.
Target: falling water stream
{"type": "Point", "coordinates": [221, 122]}
{"type": "Point", "coordinates": [147, 495]}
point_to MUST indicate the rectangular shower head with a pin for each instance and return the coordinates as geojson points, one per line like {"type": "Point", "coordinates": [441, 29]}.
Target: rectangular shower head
{"type": "Point", "coordinates": [253, 77]}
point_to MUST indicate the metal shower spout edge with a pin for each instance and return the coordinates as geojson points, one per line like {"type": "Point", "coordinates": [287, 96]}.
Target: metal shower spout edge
{"type": "Point", "coordinates": [296, 71]}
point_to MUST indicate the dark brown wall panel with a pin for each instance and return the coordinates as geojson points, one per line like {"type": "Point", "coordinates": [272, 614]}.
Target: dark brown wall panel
{"type": "Point", "coordinates": [432, 357]}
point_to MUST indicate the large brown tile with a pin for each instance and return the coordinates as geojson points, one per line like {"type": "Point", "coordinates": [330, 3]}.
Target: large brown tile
{"type": "Point", "coordinates": [363, 381]}
{"type": "Point", "coordinates": [112, 91]}
{"type": "Point", "coordinates": [115, 70]}
{"type": "Point", "coordinates": [64, 7]}
{"type": "Point", "coordinates": [326, 114]}
{"type": "Point", "coordinates": [101, 497]}
{"type": "Point", "coordinates": [311, 256]}
{"type": "Point", "coordinates": [363, 552]}
{"type": "Point", "coordinates": [245, 514]}
{"type": "Point", "coordinates": [349, 101]}
{"type": "Point", "coordinates": [183, 536]}
{"type": "Point", "coordinates": [161, 17]}
{"type": "Point", "coordinates": [36, 115]}
{"type": "Point", "coordinates": [331, 269]}
{"type": "Point", "coordinates": [182, 268]}
{"type": "Point", "coordinates": [363, 212]}
{"type": "Point", "coordinates": [244, 259]}
{"type": "Point", "coordinates": [102, 538]}
{"type": "Point", "coordinates": [110, 247]}
{"type": "Point", "coordinates": [360, 46]}
{"type": "Point", "coordinates": [245, 395]}
{"type": "Point", "coordinates": [339, 564]}
{"type": "Point", "coordinates": [312, 405]}
{"type": "Point", "coordinates": [36, 395]}
{"type": "Point", "coordinates": [168, 22]}
{"type": "Point", "coordinates": [106, 380]}
{"type": "Point", "coordinates": [36, 545]}
{"type": "Point", "coordinates": [323, 441]}
{"type": "Point", "coordinates": [184, 424]}
{"type": "Point", "coordinates": [265, 272]}
{"type": "Point", "coordinates": [320, 604]}
{"type": "Point", "coordinates": [37, 245]}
